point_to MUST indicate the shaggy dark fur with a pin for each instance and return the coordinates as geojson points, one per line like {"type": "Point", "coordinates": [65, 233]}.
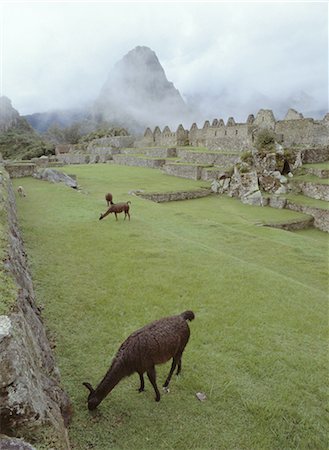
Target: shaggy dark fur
{"type": "Point", "coordinates": [117, 208]}
{"type": "Point", "coordinates": [153, 344]}
{"type": "Point", "coordinates": [109, 198]}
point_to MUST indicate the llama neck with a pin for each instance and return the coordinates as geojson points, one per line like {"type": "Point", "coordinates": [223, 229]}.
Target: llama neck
{"type": "Point", "coordinates": [112, 377]}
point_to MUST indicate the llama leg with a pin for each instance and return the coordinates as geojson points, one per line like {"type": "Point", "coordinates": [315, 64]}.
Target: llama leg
{"type": "Point", "coordinates": [116, 217]}
{"type": "Point", "coordinates": [152, 377]}
{"type": "Point", "coordinates": [141, 377]}
{"type": "Point", "coordinates": [128, 215]}
{"type": "Point", "coordinates": [173, 366]}
{"type": "Point", "coordinates": [179, 366]}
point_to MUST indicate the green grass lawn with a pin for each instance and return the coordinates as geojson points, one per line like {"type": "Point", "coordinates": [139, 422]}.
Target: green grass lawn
{"type": "Point", "coordinates": [258, 346]}
{"type": "Point", "coordinates": [324, 165]}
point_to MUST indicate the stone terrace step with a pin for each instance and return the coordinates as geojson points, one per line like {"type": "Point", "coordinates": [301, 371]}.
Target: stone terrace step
{"type": "Point", "coordinates": [318, 209]}
{"type": "Point", "coordinates": [300, 224]}
{"type": "Point", "coordinates": [139, 161]}
{"type": "Point", "coordinates": [319, 170]}
{"type": "Point", "coordinates": [208, 157]}
{"type": "Point", "coordinates": [160, 197]}
{"type": "Point", "coordinates": [313, 187]}
{"type": "Point", "coordinates": [213, 173]}
{"type": "Point", "coordinates": [192, 171]}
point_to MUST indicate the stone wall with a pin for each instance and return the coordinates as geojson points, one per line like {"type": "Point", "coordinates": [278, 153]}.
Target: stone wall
{"type": "Point", "coordinates": [31, 398]}
{"type": "Point", "coordinates": [17, 170]}
{"type": "Point", "coordinates": [216, 158]}
{"type": "Point", "coordinates": [183, 170]}
{"type": "Point", "coordinates": [321, 216]}
{"type": "Point", "coordinates": [294, 130]}
{"type": "Point", "coordinates": [161, 197]}
{"type": "Point", "coordinates": [110, 142]}
{"type": "Point", "coordinates": [130, 160]}
{"type": "Point", "coordinates": [315, 190]}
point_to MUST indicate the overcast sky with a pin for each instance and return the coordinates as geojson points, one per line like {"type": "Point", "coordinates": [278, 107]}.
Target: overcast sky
{"type": "Point", "coordinates": [230, 58]}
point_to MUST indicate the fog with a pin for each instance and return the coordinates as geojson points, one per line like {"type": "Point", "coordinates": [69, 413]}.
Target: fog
{"type": "Point", "coordinates": [226, 59]}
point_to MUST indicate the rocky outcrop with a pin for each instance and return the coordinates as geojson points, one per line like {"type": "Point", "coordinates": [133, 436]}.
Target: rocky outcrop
{"type": "Point", "coordinates": [31, 397]}
{"type": "Point", "coordinates": [54, 176]}
{"type": "Point", "coordinates": [9, 116]}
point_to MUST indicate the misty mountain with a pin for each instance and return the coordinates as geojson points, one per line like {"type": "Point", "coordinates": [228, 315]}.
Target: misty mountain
{"type": "Point", "coordinates": [137, 94]}
{"type": "Point", "coordinates": [10, 118]}
{"type": "Point", "coordinates": [62, 118]}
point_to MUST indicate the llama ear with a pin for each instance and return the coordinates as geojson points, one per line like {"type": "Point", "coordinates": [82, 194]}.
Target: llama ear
{"type": "Point", "coordinates": [89, 387]}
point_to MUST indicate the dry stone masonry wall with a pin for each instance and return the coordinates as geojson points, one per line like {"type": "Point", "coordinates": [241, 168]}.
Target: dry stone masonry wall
{"type": "Point", "coordinates": [30, 393]}
{"type": "Point", "coordinates": [294, 130]}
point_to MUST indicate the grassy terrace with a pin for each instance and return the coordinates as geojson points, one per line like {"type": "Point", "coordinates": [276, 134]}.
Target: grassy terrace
{"type": "Point", "coordinates": [307, 201]}
{"type": "Point", "coordinates": [310, 179]}
{"type": "Point", "coordinates": [258, 346]}
{"type": "Point", "coordinates": [324, 165]}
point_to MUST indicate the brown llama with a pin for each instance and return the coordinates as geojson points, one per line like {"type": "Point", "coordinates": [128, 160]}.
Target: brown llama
{"type": "Point", "coordinates": [153, 344]}
{"type": "Point", "coordinates": [117, 208]}
{"type": "Point", "coordinates": [109, 199]}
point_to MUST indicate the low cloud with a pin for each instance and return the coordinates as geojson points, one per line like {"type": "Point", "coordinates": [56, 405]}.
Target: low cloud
{"type": "Point", "coordinates": [225, 59]}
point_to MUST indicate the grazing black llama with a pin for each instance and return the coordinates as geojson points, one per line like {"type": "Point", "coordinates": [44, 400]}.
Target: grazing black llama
{"type": "Point", "coordinates": [153, 344]}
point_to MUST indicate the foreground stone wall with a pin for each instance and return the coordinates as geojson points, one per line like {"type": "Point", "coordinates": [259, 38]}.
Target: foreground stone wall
{"type": "Point", "coordinates": [31, 398]}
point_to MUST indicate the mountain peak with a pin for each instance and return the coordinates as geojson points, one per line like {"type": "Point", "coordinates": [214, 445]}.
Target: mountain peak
{"type": "Point", "coordinates": [138, 91]}
{"type": "Point", "coordinates": [9, 117]}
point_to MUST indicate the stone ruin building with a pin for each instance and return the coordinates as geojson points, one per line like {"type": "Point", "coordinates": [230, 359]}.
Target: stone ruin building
{"type": "Point", "coordinates": [293, 130]}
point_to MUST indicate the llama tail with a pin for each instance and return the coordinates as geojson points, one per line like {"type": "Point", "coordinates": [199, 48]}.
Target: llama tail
{"type": "Point", "coordinates": [188, 315]}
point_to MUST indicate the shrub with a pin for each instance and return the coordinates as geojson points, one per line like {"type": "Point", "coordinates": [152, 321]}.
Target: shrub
{"type": "Point", "coordinates": [247, 157]}
{"type": "Point", "coordinates": [265, 141]}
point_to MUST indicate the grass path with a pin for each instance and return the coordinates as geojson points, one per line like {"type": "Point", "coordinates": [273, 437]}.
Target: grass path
{"type": "Point", "coordinates": [258, 345]}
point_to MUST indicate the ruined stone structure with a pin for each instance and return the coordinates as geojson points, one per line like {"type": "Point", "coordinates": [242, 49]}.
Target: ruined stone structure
{"type": "Point", "coordinates": [293, 130]}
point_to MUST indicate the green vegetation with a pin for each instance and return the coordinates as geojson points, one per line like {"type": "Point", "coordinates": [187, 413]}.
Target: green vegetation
{"type": "Point", "coordinates": [265, 141]}
{"type": "Point", "coordinates": [258, 346]}
{"type": "Point", "coordinates": [103, 132]}
{"type": "Point", "coordinates": [323, 166]}
{"type": "Point", "coordinates": [23, 144]}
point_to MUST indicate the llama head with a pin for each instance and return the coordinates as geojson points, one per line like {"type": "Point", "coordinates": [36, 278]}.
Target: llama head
{"type": "Point", "coordinates": [101, 217]}
{"type": "Point", "coordinates": [93, 400]}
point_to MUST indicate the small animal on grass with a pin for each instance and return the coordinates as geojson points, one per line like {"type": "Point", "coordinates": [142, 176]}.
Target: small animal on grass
{"type": "Point", "coordinates": [21, 191]}
{"type": "Point", "coordinates": [153, 344]}
{"type": "Point", "coordinates": [117, 208]}
{"type": "Point", "coordinates": [109, 199]}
